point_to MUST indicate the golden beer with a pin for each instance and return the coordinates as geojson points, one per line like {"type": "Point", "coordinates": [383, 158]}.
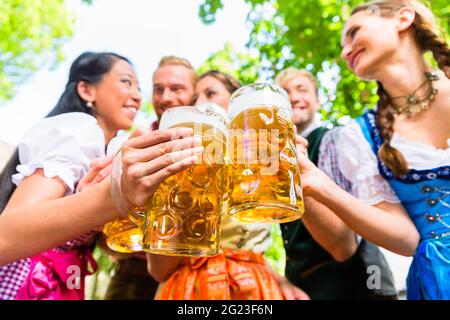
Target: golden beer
{"type": "Point", "coordinates": [123, 235]}
{"type": "Point", "coordinates": [183, 216]}
{"type": "Point", "coordinates": [264, 178]}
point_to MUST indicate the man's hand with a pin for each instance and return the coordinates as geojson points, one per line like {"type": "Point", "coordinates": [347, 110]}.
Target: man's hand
{"type": "Point", "coordinates": [290, 291]}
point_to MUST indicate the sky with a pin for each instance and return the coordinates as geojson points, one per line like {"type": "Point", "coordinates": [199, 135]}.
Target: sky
{"type": "Point", "coordinates": [141, 30]}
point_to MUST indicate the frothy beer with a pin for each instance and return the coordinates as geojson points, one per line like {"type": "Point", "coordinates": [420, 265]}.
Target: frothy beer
{"type": "Point", "coordinates": [264, 178]}
{"type": "Point", "coordinates": [183, 216]}
{"type": "Point", "coordinates": [122, 234]}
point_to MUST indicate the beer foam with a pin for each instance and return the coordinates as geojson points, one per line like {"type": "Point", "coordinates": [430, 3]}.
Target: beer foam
{"type": "Point", "coordinates": [246, 99]}
{"type": "Point", "coordinates": [180, 115]}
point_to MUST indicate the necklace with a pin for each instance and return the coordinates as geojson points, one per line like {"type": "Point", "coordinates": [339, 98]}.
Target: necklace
{"type": "Point", "coordinates": [414, 103]}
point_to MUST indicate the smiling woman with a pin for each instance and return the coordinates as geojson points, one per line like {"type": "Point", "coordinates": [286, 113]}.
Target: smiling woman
{"type": "Point", "coordinates": [48, 198]}
{"type": "Point", "coordinates": [397, 157]}
{"type": "Point", "coordinates": [115, 100]}
{"type": "Point", "coordinates": [101, 97]}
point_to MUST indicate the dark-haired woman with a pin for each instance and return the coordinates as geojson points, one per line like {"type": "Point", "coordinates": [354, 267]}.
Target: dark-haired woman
{"type": "Point", "coordinates": [39, 209]}
{"type": "Point", "coordinates": [398, 156]}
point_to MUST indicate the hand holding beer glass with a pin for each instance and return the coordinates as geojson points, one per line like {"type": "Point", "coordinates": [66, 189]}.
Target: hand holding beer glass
{"type": "Point", "coordinates": [183, 216]}
{"type": "Point", "coordinates": [264, 175]}
{"type": "Point", "coordinates": [137, 171]}
{"type": "Point", "coordinates": [122, 234]}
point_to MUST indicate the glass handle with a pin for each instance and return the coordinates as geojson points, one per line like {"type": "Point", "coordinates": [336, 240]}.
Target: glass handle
{"type": "Point", "coordinates": [136, 214]}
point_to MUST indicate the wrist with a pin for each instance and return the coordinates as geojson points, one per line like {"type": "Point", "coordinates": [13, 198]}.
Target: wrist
{"type": "Point", "coordinates": [122, 204]}
{"type": "Point", "coordinates": [106, 201]}
{"type": "Point", "coordinates": [325, 190]}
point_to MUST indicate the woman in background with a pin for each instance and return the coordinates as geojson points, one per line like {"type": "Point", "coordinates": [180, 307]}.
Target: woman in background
{"type": "Point", "coordinates": [241, 268]}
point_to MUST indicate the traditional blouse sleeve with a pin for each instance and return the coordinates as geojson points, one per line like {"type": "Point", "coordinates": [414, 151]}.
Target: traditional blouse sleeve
{"type": "Point", "coordinates": [328, 159]}
{"type": "Point", "coordinates": [63, 146]}
{"type": "Point", "coordinates": [359, 165]}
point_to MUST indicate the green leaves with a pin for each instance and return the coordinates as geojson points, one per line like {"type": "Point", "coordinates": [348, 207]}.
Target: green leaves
{"type": "Point", "coordinates": [32, 33]}
{"type": "Point", "coordinates": [208, 10]}
{"type": "Point", "coordinates": [306, 34]}
{"type": "Point", "coordinates": [243, 66]}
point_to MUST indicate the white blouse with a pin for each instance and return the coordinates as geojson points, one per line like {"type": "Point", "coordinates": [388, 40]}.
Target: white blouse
{"type": "Point", "coordinates": [250, 236]}
{"type": "Point", "coordinates": [63, 146]}
{"type": "Point", "coordinates": [359, 164]}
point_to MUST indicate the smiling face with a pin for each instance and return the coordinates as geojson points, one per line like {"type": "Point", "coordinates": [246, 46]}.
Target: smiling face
{"type": "Point", "coordinates": [173, 86]}
{"type": "Point", "coordinates": [304, 101]}
{"type": "Point", "coordinates": [116, 97]}
{"type": "Point", "coordinates": [210, 89]}
{"type": "Point", "coordinates": [369, 42]}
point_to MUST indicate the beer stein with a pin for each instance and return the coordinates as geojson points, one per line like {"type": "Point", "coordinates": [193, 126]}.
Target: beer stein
{"type": "Point", "coordinates": [264, 178]}
{"type": "Point", "coordinates": [183, 216]}
{"type": "Point", "coordinates": [122, 234]}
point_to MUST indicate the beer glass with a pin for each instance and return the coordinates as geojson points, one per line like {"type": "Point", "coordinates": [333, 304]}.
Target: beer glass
{"type": "Point", "coordinates": [122, 234]}
{"type": "Point", "coordinates": [183, 216]}
{"type": "Point", "coordinates": [264, 174]}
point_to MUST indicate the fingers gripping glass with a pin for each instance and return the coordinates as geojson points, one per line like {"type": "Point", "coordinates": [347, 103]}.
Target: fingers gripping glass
{"type": "Point", "coordinates": [264, 178]}
{"type": "Point", "coordinates": [123, 234]}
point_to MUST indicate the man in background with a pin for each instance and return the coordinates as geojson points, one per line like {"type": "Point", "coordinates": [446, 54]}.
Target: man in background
{"type": "Point", "coordinates": [324, 270]}
{"type": "Point", "coordinates": [173, 86]}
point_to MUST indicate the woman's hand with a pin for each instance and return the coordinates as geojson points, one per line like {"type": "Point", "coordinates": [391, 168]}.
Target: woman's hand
{"type": "Point", "coordinates": [99, 170]}
{"type": "Point", "coordinates": [313, 180]}
{"type": "Point", "coordinates": [151, 157]}
{"type": "Point", "coordinates": [290, 291]}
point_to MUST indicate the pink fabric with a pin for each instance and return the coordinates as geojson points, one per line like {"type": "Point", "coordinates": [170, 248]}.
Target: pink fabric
{"type": "Point", "coordinates": [12, 276]}
{"type": "Point", "coordinates": [52, 275]}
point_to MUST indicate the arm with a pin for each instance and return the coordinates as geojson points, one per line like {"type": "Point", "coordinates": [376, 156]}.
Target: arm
{"type": "Point", "coordinates": [319, 220]}
{"type": "Point", "coordinates": [329, 230]}
{"type": "Point", "coordinates": [160, 267]}
{"type": "Point", "coordinates": [387, 225]}
{"type": "Point", "coordinates": [38, 217]}
{"type": "Point", "coordinates": [36, 221]}
{"type": "Point", "coordinates": [99, 170]}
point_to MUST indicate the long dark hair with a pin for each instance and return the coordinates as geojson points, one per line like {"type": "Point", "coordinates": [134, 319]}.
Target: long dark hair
{"type": "Point", "coordinates": [89, 67]}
